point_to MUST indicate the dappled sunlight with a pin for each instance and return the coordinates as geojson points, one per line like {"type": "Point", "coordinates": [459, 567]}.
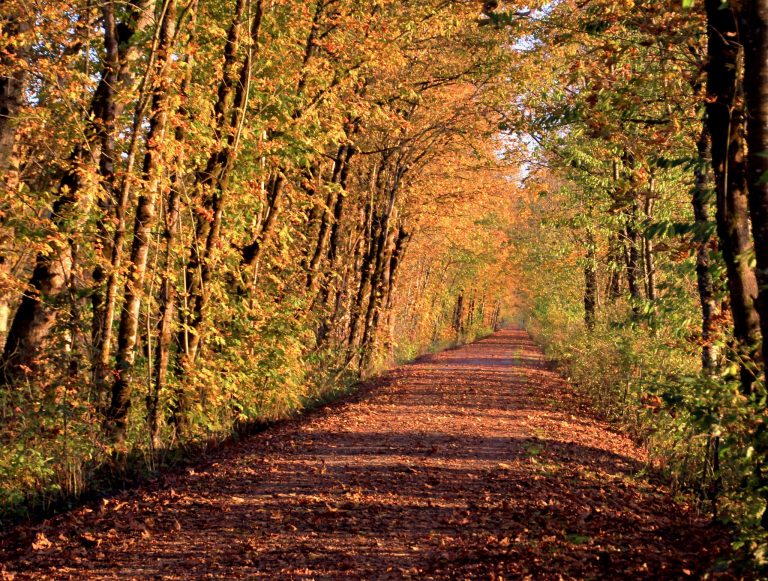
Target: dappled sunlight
{"type": "Point", "coordinates": [389, 483]}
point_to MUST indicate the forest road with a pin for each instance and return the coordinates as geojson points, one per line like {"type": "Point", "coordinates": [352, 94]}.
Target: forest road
{"type": "Point", "coordinates": [478, 462]}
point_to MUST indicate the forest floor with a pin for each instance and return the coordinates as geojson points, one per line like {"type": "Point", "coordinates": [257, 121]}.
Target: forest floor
{"type": "Point", "coordinates": [478, 462]}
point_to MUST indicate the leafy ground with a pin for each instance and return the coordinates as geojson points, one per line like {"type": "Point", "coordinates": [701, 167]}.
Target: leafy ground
{"type": "Point", "coordinates": [477, 462]}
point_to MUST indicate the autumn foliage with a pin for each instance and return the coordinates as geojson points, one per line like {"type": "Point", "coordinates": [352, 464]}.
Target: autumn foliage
{"type": "Point", "coordinates": [215, 214]}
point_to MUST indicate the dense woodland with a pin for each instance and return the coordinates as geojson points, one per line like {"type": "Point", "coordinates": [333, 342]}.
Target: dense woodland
{"type": "Point", "coordinates": [218, 213]}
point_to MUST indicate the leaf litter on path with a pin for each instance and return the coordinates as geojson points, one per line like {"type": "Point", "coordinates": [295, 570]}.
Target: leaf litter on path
{"type": "Point", "coordinates": [478, 462]}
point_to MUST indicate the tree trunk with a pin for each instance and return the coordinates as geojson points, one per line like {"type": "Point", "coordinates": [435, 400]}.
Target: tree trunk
{"type": "Point", "coordinates": [214, 182]}
{"type": "Point", "coordinates": [613, 290]}
{"type": "Point", "coordinates": [252, 253]}
{"type": "Point", "coordinates": [113, 206]}
{"type": "Point", "coordinates": [725, 122]}
{"type": "Point", "coordinates": [590, 284]}
{"type": "Point", "coordinates": [704, 281]}
{"type": "Point", "coordinates": [458, 316]}
{"type": "Point", "coordinates": [325, 219]}
{"type": "Point", "coordinates": [370, 234]}
{"type": "Point", "coordinates": [650, 266]}
{"type": "Point", "coordinates": [754, 30]}
{"type": "Point", "coordinates": [38, 312]}
{"type": "Point", "coordinates": [168, 289]}
{"type": "Point", "coordinates": [146, 210]}
{"type": "Point", "coordinates": [12, 59]}
{"type": "Point", "coordinates": [633, 258]}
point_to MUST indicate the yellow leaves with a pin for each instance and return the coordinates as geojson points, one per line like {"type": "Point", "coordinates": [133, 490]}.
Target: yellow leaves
{"type": "Point", "coordinates": [41, 542]}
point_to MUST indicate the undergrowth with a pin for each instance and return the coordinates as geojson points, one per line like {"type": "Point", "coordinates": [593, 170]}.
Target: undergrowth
{"type": "Point", "coordinates": [699, 429]}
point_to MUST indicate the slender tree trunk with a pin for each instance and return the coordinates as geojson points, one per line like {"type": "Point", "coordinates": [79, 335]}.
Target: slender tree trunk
{"type": "Point", "coordinates": [395, 260]}
{"type": "Point", "coordinates": [252, 253]}
{"type": "Point", "coordinates": [12, 59]}
{"type": "Point", "coordinates": [214, 182]}
{"type": "Point", "coordinates": [206, 183]}
{"type": "Point", "coordinates": [325, 219]}
{"type": "Point", "coordinates": [458, 316]}
{"type": "Point", "coordinates": [650, 266]}
{"type": "Point", "coordinates": [382, 285]}
{"type": "Point", "coordinates": [704, 281]}
{"type": "Point", "coordinates": [167, 311]}
{"type": "Point", "coordinates": [633, 258]}
{"type": "Point", "coordinates": [377, 281]}
{"type": "Point", "coordinates": [113, 207]}
{"type": "Point", "coordinates": [334, 240]}
{"type": "Point", "coordinates": [146, 211]}
{"type": "Point", "coordinates": [613, 290]}
{"type": "Point", "coordinates": [725, 122]}
{"type": "Point", "coordinates": [383, 246]}
{"type": "Point", "coordinates": [370, 233]}
{"type": "Point", "coordinates": [168, 290]}
{"type": "Point", "coordinates": [590, 284]}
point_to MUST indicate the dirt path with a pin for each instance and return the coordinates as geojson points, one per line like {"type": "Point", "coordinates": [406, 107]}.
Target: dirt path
{"type": "Point", "coordinates": [474, 463]}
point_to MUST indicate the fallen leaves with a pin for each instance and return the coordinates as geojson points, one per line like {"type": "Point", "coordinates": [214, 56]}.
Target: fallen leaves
{"type": "Point", "coordinates": [459, 469]}
{"type": "Point", "coordinates": [41, 542]}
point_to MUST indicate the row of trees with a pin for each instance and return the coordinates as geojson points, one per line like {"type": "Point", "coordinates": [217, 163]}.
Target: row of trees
{"type": "Point", "coordinates": [648, 120]}
{"type": "Point", "coordinates": [220, 210]}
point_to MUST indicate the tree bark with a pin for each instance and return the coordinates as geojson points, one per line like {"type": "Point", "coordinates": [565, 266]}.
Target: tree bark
{"type": "Point", "coordinates": [725, 122]}
{"type": "Point", "coordinates": [633, 258]}
{"type": "Point", "coordinates": [146, 211]}
{"type": "Point", "coordinates": [37, 313]}
{"type": "Point", "coordinates": [325, 219]}
{"type": "Point", "coordinates": [590, 284]}
{"type": "Point", "coordinates": [12, 59]}
{"type": "Point", "coordinates": [252, 252]}
{"type": "Point", "coordinates": [168, 288]}
{"type": "Point", "coordinates": [613, 289]}
{"type": "Point", "coordinates": [113, 207]}
{"type": "Point", "coordinates": [704, 280]}
{"type": "Point", "coordinates": [648, 250]}
{"type": "Point", "coordinates": [754, 30]}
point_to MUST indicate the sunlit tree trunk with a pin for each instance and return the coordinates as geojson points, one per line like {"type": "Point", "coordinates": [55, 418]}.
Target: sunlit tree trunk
{"type": "Point", "coordinates": [113, 206]}
{"type": "Point", "coordinates": [14, 26]}
{"type": "Point", "coordinates": [146, 215]}
{"type": "Point", "coordinates": [168, 286]}
{"type": "Point", "coordinates": [213, 181]}
{"type": "Point", "coordinates": [38, 311]}
{"type": "Point", "coordinates": [704, 281]}
{"type": "Point", "coordinates": [326, 217]}
{"type": "Point", "coordinates": [208, 181]}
